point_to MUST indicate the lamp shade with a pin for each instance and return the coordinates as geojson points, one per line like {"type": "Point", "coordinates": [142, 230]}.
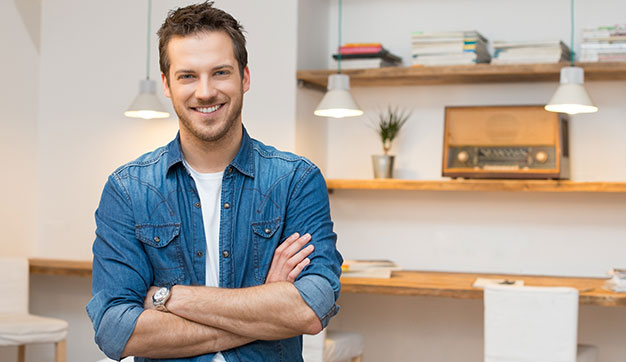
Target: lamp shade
{"type": "Point", "coordinates": [146, 105]}
{"type": "Point", "coordinates": [571, 96]}
{"type": "Point", "coordinates": [338, 102]}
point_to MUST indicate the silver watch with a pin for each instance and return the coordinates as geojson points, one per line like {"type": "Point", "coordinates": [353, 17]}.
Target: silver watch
{"type": "Point", "coordinates": [160, 297]}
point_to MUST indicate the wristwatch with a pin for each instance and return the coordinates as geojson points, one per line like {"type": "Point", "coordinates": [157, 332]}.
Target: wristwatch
{"type": "Point", "coordinates": [160, 297]}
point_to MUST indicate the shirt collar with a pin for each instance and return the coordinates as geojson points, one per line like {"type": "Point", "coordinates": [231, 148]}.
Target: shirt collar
{"type": "Point", "coordinates": [242, 162]}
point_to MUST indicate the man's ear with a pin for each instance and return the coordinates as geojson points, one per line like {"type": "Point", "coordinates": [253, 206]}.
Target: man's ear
{"type": "Point", "coordinates": [245, 81]}
{"type": "Point", "coordinates": [166, 87]}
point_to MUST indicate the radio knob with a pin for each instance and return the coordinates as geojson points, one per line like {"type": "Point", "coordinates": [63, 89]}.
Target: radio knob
{"type": "Point", "coordinates": [462, 156]}
{"type": "Point", "coordinates": [541, 156]}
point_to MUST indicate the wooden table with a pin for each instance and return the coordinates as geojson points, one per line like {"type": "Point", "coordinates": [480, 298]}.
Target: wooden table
{"type": "Point", "coordinates": [419, 283]}
{"type": "Point", "coordinates": [459, 286]}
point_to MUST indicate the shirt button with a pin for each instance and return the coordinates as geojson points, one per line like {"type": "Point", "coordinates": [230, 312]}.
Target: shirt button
{"type": "Point", "coordinates": [267, 230]}
{"type": "Point", "coordinates": [227, 205]}
{"type": "Point", "coordinates": [226, 253]}
{"type": "Point", "coordinates": [230, 170]}
{"type": "Point", "coordinates": [157, 239]}
{"type": "Point", "coordinates": [197, 205]}
{"type": "Point", "coordinates": [199, 254]}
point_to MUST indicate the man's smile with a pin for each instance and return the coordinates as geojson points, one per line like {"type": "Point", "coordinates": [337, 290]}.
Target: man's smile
{"type": "Point", "coordinates": [207, 110]}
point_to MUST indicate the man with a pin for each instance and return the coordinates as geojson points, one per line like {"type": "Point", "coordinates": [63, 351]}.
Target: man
{"type": "Point", "coordinates": [197, 246]}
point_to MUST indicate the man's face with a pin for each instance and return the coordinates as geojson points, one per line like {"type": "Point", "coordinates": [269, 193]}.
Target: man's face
{"type": "Point", "coordinates": [205, 86]}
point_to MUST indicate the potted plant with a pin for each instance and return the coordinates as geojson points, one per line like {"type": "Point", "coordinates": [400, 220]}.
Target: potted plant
{"type": "Point", "coordinates": [388, 126]}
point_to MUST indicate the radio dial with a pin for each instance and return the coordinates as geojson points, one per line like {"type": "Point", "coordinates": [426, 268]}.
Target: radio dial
{"type": "Point", "coordinates": [541, 156]}
{"type": "Point", "coordinates": [462, 156]}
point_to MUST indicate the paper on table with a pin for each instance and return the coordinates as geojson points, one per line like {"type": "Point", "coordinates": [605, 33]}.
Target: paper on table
{"type": "Point", "coordinates": [482, 282]}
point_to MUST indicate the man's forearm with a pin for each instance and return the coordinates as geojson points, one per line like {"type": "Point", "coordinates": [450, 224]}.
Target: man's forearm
{"type": "Point", "coordinates": [165, 335]}
{"type": "Point", "coordinates": [269, 311]}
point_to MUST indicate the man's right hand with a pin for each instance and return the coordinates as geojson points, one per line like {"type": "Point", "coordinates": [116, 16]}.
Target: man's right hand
{"type": "Point", "coordinates": [290, 258]}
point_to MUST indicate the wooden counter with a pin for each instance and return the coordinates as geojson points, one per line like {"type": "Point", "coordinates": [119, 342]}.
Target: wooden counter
{"type": "Point", "coordinates": [459, 286]}
{"type": "Point", "coordinates": [435, 284]}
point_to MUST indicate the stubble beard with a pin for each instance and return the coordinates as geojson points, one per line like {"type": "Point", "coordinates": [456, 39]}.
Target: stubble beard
{"type": "Point", "coordinates": [211, 134]}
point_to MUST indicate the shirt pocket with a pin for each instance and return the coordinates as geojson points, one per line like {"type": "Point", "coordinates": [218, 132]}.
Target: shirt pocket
{"type": "Point", "coordinates": [163, 247]}
{"type": "Point", "coordinates": [265, 238]}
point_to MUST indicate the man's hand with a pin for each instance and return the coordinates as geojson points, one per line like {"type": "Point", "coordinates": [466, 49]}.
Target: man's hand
{"type": "Point", "coordinates": [290, 258]}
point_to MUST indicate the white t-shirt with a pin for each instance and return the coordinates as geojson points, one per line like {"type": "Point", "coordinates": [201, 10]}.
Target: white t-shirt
{"type": "Point", "coordinates": [209, 186]}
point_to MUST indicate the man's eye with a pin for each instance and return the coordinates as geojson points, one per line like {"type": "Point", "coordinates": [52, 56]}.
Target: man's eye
{"type": "Point", "coordinates": [185, 76]}
{"type": "Point", "coordinates": [222, 72]}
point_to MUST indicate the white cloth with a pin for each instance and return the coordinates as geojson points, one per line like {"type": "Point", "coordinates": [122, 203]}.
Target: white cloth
{"type": "Point", "coordinates": [209, 186]}
{"type": "Point", "coordinates": [342, 346]}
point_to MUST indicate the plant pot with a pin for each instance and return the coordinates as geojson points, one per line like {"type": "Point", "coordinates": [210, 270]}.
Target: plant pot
{"type": "Point", "coordinates": [383, 166]}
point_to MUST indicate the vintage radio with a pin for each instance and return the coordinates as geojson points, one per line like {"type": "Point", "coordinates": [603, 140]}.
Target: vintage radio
{"type": "Point", "coordinates": [505, 142]}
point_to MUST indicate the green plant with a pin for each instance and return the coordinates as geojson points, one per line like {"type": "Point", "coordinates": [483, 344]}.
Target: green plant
{"type": "Point", "coordinates": [389, 124]}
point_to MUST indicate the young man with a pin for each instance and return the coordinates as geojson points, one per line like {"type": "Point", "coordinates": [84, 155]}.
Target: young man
{"type": "Point", "coordinates": [198, 255]}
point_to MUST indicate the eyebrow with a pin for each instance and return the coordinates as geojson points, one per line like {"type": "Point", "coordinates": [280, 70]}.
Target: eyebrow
{"type": "Point", "coordinates": [187, 71]}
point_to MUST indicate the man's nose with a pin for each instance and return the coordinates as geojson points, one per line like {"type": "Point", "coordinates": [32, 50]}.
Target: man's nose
{"type": "Point", "coordinates": [205, 89]}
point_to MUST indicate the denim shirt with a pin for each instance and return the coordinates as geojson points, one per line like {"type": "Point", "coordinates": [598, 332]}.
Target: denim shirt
{"type": "Point", "coordinates": [150, 232]}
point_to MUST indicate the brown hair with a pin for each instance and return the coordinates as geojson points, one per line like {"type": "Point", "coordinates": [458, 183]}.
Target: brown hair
{"type": "Point", "coordinates": [197, 18]}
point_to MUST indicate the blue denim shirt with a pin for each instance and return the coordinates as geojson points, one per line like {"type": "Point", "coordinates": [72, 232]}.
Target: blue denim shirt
{"type": "Point", "coordinates": [150, 232]}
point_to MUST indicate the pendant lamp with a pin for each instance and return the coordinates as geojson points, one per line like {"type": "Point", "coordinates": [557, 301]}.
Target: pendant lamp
{"type": "Point", "coordinates": [147, 105]}
{"type": "Point", "coordinates": [338, 102]}
{"type": "Point", "coordinates": [571, 96]}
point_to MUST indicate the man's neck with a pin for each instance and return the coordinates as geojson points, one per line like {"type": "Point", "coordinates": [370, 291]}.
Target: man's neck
{"type": "Point", "coordinates": [210, 157]}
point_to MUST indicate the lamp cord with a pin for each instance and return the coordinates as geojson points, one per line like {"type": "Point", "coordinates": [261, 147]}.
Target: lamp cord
{"type": "Point", "coordinates": [339, 44]}
{"type": "Point", "coordinates": [148, 42]}
{"type": "Point", "coordinates": [571, 51]}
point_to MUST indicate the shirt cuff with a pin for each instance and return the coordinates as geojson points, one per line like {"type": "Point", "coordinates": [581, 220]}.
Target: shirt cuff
{"type": "Point", "coordinates": [319, 295]}
{"type": "Point", "coordinates": [115, 326]}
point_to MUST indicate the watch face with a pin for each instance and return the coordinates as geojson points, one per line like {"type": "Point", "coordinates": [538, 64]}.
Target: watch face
{"type": "Point", "coordinates": [160, 294]}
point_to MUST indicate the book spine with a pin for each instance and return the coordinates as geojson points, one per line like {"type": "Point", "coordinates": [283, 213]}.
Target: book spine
{"type": "Point", "coordinates": [360, 50]}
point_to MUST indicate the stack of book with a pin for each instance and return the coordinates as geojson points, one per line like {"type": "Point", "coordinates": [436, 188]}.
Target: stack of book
{"type": "Point", "coordinates": [368, 268]}
{"type": "Point", "coordinates": [365, 55]}
{"type": "Point", "coordinates": [449, 48]}
{"type": "Point", "coordinates": [604, 44]}
{"type": "Point", "coordinates": [618, 282]}
{"type": "Point", "coordinates": [529, 52]}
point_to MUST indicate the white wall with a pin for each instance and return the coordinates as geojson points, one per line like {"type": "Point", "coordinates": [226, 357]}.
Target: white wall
{"type": "Point", "coordinates": [530, 233]}
{"type": "Point", "coordinates": [18, 101]}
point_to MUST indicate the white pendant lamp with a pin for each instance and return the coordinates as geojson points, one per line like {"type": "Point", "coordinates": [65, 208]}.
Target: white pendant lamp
{"type": "Point", "coordinates": [338, 102]}
{"type": "Point", "coordinates": [147, 105]}
{"type": "Point", "coordinates": [571, 96]}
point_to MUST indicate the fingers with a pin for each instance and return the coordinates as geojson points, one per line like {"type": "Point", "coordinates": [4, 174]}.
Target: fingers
{"type": "Point", "coordinates": [289, 258]}
{"type": "Point", "coordinates": [296, 271]}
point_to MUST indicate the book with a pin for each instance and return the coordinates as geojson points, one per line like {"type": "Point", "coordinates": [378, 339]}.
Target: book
{"type": "Point", "coordinates": [483, 282]}
{"type": "Point", "coordinates": [618, 281]}
{"type": "Point", "coordinates": [360, 50]}
{"type": "Point", "coordinates": [368, 268]}
{"type": "Point", "coordinates": [365, 63]}
{"type": "Point", "coordinates": [383, 54]}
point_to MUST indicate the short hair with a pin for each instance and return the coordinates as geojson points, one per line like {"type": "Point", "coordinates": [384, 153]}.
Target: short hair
{"type": "Point", "coordinates": [199, 18]}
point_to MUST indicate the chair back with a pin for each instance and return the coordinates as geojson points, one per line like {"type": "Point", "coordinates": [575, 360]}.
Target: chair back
{"type": "Point", "coordinates": [14, 285]}
{"type": "Point", "coordinates": [530, 324]}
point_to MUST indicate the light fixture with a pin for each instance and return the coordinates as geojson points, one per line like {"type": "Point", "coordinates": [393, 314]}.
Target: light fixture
{"type": "Point", "coordinates": [571, 96]}
{"type": "Point", "coordinates": [338, 102]}
{"type": "Point", "coordinates": [147, 105]}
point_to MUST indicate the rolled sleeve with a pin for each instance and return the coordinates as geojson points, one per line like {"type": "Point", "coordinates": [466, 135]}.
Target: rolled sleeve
{"type": "Point", "coordinates": [115, 325]}
{"type": "Point", "coordinates": [319, 295]}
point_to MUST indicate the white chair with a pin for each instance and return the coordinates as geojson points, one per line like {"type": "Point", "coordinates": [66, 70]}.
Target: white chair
{"type": "Point", "coordinates": [533, 324]}
{"type": "Point", "coordinates": [17, 326]}
{"type": "Point", "coordinates": [332, 346]}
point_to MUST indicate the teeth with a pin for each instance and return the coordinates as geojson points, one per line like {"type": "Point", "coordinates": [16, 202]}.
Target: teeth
{"type": "Point", "coordinates": [208, 109]}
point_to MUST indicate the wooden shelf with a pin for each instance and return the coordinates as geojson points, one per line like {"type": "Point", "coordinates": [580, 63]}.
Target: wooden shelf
{"type": "Point", "coordinates": [79, 268]}
{"type": "Point", "coordinates": [459, 286]}
{"type": "Point", "coordinates": [477, 185]}
{"type": "Point", "coordinates": [463, 74]}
